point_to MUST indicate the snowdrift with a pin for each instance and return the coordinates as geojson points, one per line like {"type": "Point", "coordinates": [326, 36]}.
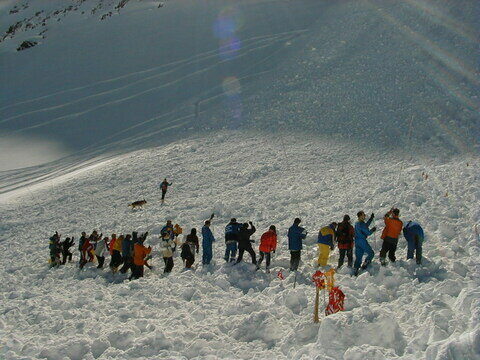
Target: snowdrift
{"type": "Point", "coordinates": [402, 311]}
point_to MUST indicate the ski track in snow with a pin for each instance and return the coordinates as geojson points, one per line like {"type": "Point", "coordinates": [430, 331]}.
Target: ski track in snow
{"type": "Point", "coordinates": [277, 38]}
{"type": "Point", "coordinates": [401, 311]}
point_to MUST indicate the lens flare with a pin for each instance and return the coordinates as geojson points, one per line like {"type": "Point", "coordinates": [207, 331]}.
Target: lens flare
{"type": "Point", "coordinates": [225, 29]}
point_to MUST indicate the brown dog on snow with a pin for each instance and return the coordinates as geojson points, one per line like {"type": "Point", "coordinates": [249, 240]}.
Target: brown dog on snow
{"type": "Point", "coordinates": [138, 203]}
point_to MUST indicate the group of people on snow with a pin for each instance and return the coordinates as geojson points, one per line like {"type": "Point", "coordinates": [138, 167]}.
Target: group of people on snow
{"type": "Point", "coordinates": [130, 252]}
{"type": "Point", "coordinates": [349, 238]}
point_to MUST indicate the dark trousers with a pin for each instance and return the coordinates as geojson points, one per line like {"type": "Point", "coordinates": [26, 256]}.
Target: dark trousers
{"type": "Point", "coordinates": [250, 250]}
{"type": "Point", "coordinates": [101, 260]}
{"type": "Point", "coordinates": [294, 260]}
{"type": "Point", "coordinates": [168, 264]}
{"type": "Point", "coordinates": [189, 261]}
{"type": "Point", "coordinates": [116, 260]}
{"type": "Point", "coordinates": [349, 253]}
{"type": "Point", "coordinates": [207, 253]}
{"type": "Point", "coordinates": [415, 246]}
{"type": "Point", "coordinates": [389, 246]}
{"type": "Point", "coordinates": [137, 271]}
{"type": "Point", "coordinates": [164, 192]}
{"type": "Point", "coordinates": [267, 257]}
{"type": "Point", "coordinates": [66, 255]}
{"type": "Point", "coordinates": [127, 264]}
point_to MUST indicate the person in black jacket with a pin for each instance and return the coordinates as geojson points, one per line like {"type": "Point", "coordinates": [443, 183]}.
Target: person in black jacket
{"type": "Point", "coordinates": [188, 254]}
{"type": "Point", "coordinates": [66, 253]}
{"type": "Point", "coordinates": [244, 242]}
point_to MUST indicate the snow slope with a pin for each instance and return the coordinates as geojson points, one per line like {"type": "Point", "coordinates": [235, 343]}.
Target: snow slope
{"type": "Point", "coordinates": [367, 71]}
{"type": "Point", "coordinates": [262, 110]}
{"type": "Point", "coordinates": [401, 311]}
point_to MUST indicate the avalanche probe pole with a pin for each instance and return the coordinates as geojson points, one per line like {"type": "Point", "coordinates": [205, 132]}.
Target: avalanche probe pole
{"type": "Point", "coordinates": [317, 300]}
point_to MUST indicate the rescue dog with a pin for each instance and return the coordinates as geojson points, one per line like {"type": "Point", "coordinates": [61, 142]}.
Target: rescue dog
{"type": "Point", "coordinates": [138, 203]}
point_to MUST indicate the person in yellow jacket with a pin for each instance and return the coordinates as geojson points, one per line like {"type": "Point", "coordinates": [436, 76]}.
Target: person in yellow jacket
{"type": "Point", "coordinates": [116, 249]}
{"type": "Point", "coordinates": [326, 237]}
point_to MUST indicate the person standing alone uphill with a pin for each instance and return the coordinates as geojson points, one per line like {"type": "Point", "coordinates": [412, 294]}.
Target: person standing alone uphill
{"type": "Point", "coordinates": [164, 187]}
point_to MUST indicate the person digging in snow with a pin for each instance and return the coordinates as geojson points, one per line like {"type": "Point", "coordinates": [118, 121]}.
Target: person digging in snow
{"type": "Point", "coordinates": [414, 235]}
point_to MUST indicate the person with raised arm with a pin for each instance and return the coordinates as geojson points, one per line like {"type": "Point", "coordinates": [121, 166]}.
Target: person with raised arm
{"type": "Point", "coordinates": [362, 246]}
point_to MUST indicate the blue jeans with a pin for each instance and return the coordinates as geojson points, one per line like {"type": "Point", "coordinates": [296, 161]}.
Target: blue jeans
{"type": "Point", "coordinates": [207, 253]}
{"type": "Point", "coordinates": [359, 251]}
{"type": "Point", "coordinates": [415, 245]}
{"type": "Point", "coordinates": [230, 251]}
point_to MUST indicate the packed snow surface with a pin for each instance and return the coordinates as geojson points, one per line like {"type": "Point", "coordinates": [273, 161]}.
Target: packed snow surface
{"type": "Point", "coordinates": [260, 110]}
{"type": "Point", "coordinates": [400, 311]}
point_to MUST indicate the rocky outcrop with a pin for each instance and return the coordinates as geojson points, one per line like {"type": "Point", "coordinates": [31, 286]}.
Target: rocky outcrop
{"type": "Point", "coordinates": [26, 45]}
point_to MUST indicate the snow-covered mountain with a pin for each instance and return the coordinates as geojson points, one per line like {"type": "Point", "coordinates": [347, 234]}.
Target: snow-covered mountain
{"type": "Point", "coordinates": [264, 110]}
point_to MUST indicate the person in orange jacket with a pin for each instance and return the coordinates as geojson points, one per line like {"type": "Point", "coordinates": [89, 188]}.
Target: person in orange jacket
{"type": "Point", "coordinates": [268, 244]}
{"type": "Point", "coordinates": [140, 252]}
{"type": "Point", "coordinates": [390, 234]}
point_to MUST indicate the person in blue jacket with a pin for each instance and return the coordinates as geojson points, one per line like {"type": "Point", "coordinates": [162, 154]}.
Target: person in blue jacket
{"type": "Point", "coordinates": [361, 244]}
{"type": "Point", "coordinates": [232, 232]}
{"type": "Point", "coordinates": [295, 236]}
{"type": "Point", "coordinates": [414, 235]}
{"type": "Point", "coordinates": [207, 243]}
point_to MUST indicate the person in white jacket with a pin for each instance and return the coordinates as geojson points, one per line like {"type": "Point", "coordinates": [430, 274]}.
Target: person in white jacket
{"type": "Point", "coordinates": [100, 251]}
{"type": "Point", "coordinates": [166, 247]}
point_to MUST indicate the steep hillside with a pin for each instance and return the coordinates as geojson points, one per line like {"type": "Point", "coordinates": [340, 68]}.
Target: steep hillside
{"type": "Point", "coordinates": [382, 74]}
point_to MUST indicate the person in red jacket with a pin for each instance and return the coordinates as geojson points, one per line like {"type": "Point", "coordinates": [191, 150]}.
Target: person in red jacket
{"type": "Point", "coordinates": [268, 244]}
{"type": "Point", "coordinates": [390, 234]}
{"type": "Point", "coordinates": [87, 249]}
{"type": "Point", "coordinates": [345, 235]}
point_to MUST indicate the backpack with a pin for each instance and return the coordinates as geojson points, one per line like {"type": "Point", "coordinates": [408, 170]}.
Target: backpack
{"type": "Point", "coordinates": [230, 228]}
{"type": "Point", "coordinates": [343, 236]}
{"type": "Point", "coordinates": [186, 252]}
